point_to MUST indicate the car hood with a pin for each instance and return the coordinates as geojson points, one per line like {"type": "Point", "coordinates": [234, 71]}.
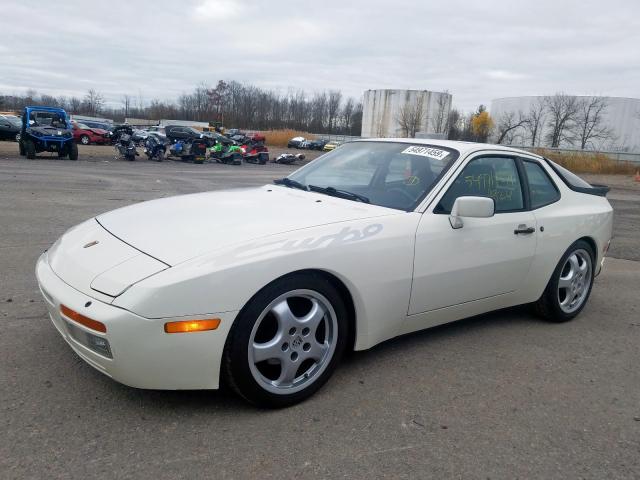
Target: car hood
{"type": "Point", "coordinates": [48, 131]}
{"type": "Point", "coordinates": [177, 229]}
{"type": "Point", "coordinates": [98, 131]}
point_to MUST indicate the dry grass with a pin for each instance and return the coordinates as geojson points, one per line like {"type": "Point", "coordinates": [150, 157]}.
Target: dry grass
{"type": "Point", "coordinates": [279, 138]}
{"type": "Point", "coordinates": [586, 162]}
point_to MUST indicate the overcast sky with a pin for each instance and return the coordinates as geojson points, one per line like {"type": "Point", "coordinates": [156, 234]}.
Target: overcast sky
{"type": "Point", "coordinates": [477, 50]}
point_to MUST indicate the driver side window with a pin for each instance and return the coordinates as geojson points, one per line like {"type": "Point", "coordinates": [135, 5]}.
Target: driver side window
{"type": "Point", "coordinates": [493, 177]}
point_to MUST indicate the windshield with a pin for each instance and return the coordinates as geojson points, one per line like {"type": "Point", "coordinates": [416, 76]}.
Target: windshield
{"type": "Point", "coordinates": [389, 174]}
{"type": "Point", "coordinates": [46, 119]}
{"type": "Point", "coordinates": [82, 126]}
{"type": "Point", "coordinates": [13, 120]}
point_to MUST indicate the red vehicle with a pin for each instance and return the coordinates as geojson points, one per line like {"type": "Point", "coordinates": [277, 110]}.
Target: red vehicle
{"type": "Point", "coordinates": [254, 150]}
{"type": "Point", "coordinates": [86, 135]}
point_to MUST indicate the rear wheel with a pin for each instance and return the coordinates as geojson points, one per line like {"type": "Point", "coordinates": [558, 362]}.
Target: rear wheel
{"type": "Point", "coordinates": [30, 149]}
{"type": "Point", "coordinates": [286, 342]}
{"type": "Point", "coordinates": [73, 151]}
{"type": "Point", "coordinates": [570, 285]}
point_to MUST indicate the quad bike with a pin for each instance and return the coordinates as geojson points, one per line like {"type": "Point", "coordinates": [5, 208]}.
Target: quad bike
{"type": "Point", "coordinates": [288, 158]}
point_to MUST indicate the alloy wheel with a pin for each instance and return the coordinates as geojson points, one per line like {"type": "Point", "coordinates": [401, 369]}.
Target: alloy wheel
{"type": "Point", "coordinates": [293, 341]}
{"type": "Point", "coordinates": [575, 281]}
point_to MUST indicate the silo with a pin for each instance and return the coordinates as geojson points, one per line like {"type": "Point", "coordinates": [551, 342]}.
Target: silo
{"type": "Point", "coordinates": [621, 116]}
{"type": "Point", "coordinates": [383, 109]}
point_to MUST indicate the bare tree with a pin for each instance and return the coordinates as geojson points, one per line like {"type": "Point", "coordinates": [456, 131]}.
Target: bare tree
{"type": "Point", "coordinates": [535, 121]}
{"type": "Point", "coordinates": [409, 117]}
{"type": "Point", "coordinates": [93, 102]}
{"type": "Point", "coordinates": [453, 128]}
{"type": "Point", "coordinates": [562, 111]}
{"type": "Point", "coordinates": [507, 125]}
{"type": "Point", "coordinates": [126, 101]}
{"type": "Point", "coordinates": [439, 122]}
{"type": "Point", "coordinates": [75, 104]}
{"type": "Point", "coordinates": [590, 120]}
{"type": "Point", "coordinates": [333, 107]}
{"type": "Point", "coordinates": [347, 114]}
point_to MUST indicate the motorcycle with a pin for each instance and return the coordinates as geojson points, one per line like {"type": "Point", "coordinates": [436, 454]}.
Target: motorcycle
{"type": "Point", "coordinates": [124, 145]}
{"type": "Point", "coordinates": [154, 148]}
{"type": "Point", "coordinates": [288, 158]}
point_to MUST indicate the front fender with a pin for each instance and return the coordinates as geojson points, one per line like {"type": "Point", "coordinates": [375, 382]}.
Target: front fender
{"type": "Point", "coordinates": [372, 257]}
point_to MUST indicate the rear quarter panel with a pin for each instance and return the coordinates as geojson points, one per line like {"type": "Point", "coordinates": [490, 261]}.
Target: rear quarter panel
{"type": "Point", "coordinates": [576, 215]}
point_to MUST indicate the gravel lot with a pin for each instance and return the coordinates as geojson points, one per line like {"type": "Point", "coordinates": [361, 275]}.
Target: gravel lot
{"type": "Point", "coordinates": [503, 395]}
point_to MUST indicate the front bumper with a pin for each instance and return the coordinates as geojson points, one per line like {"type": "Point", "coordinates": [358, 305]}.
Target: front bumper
{"type": "Point", "coordinates": [144, 356]}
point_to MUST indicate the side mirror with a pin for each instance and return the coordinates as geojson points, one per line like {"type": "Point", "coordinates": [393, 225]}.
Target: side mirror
{"type": "Point", "coordinates": [472, 207]}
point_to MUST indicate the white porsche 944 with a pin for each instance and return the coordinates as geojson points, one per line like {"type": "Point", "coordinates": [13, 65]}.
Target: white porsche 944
{"type": "Point", "coordinates": [264, 289]}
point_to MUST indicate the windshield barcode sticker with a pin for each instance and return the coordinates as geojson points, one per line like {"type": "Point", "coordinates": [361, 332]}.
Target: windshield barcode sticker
{"type": "Point", "coordinates": [426, 152]}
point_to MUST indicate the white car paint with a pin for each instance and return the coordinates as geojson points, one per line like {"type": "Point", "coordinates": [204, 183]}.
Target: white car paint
{"type": "Point", "coordinates": [203, 255]}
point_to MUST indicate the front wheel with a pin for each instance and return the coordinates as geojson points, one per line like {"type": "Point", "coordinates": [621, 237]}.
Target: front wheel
{"type": "Point", "coordinates": [286, 342]}
{"type": "Point", "coordinates": [73, 151]}
{"type": "Point", "coordinates": [84, 140]}
{"type": "Point", "coordinates": [570, 285]}
{"type": "Point", "coordinates": [30, 149]}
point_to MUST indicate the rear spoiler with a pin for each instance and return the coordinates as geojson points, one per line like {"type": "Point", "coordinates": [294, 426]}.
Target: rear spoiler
{"type": "Point", "coordinates": [596, 189]}
{"type": "Point", "coordinates": [592, 189]}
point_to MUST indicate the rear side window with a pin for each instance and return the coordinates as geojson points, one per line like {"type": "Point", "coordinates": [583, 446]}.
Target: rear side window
{"type": "Point", "coordinates": [570, 178]}
{"type": "Point", "coordinates": [577, 184]}
{"type": "Point", "coordinates": [493, 177]}
{"type": "Point", "coordinates": [542, 190]}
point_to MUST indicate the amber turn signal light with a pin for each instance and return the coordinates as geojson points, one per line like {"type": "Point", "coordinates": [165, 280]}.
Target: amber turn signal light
{"type": "Point", "coordinates": [187, 326]}
{"type": "Point", "coordinates": [82, 320]}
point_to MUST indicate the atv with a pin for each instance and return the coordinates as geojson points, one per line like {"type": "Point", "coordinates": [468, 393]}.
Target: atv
{"type": "Point", "coordinates": [46, 129]}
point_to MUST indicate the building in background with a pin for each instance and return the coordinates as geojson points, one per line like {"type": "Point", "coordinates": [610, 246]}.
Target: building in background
{"type": "Point", "coordinates": [568, 121]}
{"type": "Point", "coordinates": [404, 113]}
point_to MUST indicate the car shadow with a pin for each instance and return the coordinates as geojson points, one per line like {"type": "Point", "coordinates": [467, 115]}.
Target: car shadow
{"type": "Point", "coordinates": [226, 401]}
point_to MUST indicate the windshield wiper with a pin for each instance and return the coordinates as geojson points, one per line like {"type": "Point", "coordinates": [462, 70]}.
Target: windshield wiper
{"type": "Point", "coordinates": [287, 182]}
{"type": "Point", "coordinates": [335, 192]}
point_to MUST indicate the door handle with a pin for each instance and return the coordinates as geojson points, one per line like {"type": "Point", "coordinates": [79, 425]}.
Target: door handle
{"type": "Point", "coordinates": [523, 229]}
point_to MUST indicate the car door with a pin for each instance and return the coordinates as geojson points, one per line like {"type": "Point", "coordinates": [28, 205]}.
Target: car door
{"type": "Point", "coordinates": [6, 130]}
{"type": "Point", "coordinates": [487, 257]}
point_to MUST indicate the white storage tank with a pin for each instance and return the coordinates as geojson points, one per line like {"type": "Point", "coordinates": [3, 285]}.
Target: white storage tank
{"type": "Point", "coordinates": [383, 109]}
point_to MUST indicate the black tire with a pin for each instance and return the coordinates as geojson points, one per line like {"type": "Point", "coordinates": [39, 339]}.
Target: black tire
{"type": "Point", "coordinates": [548, 305]}
{"type": "Point", "coordinates": [30, 149]}
{"type": "Point", "coordinates": [160, 156]}
{"type": "Point", "coordinates": [85, 140]}
{"type": "Point", "coordinates": [236, 371]}
{"type": "Point", "coordinates": [21, 149]}
{"type": "Point", "coordinates": [73, 151]}
{"type": "Point", "coordinates": [17, 137]}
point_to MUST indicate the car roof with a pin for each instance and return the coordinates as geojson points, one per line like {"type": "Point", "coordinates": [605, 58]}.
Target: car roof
{"type": "Point", "coordinates": [463, 147]}
{"type": "Point", "coordinates": [45, 109]}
